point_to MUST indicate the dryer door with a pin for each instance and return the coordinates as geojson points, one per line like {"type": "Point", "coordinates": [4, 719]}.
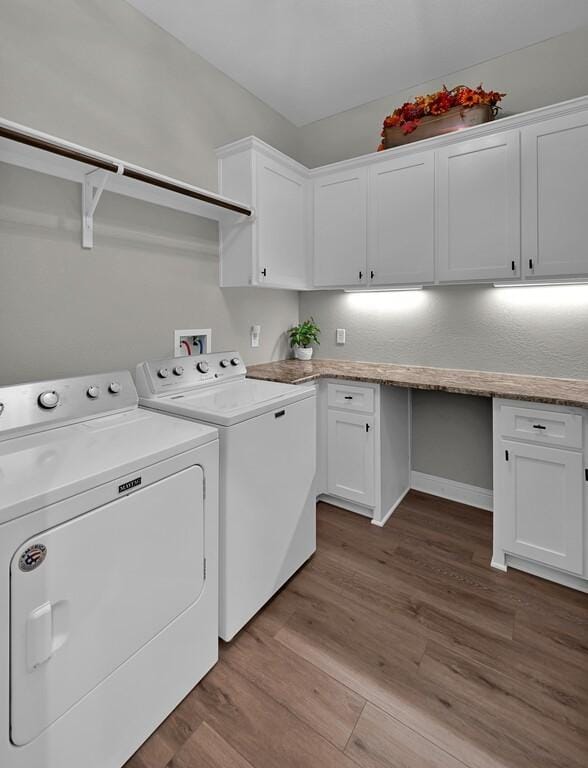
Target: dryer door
{"type": "Point", "coordinates": [104, 584]}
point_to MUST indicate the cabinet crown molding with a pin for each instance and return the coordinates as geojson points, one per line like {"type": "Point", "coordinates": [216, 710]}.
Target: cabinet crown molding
{"type": "Point", "coordinates": [502, 124]}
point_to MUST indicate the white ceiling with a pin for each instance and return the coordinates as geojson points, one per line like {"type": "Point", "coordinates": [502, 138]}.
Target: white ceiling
{"type": "Point", "coordinates": [312, 58]}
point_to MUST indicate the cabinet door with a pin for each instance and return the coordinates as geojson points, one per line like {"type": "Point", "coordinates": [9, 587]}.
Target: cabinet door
{"type": "Point", "coordinates": [350, 457]}
{"type": "Point", "coordinates": [555, 191]}
{"type": "Point", "coordinates": [478, 204]}
{"type": "Point", "coordinates": [401, 220]}
{"type": "Point", "coordinates": [340, 205]}
{"type": "Point", "coordinates": [542, 504]}
{"type": "Point", "coordinates": [280, 225]}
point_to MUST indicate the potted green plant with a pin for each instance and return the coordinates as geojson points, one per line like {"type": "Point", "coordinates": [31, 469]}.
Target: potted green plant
{"type": "Point", "coordinates": [302, 337]}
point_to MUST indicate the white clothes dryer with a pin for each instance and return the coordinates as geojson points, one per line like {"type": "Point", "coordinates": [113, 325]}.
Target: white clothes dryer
{"type": "Point", "coordinates": [108, 569]}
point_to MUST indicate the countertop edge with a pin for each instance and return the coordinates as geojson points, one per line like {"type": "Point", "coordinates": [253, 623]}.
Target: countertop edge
{"type": "Point", "coordinates": [369, 378]}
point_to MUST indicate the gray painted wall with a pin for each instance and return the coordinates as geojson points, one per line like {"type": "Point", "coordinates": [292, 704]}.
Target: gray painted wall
{"type": "Point", "coordinates": [99, 73]}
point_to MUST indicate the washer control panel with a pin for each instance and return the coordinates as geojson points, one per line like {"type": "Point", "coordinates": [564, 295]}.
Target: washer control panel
{"type": "Point", "coordinates": [31, 407]}
{"type": "Point", "coordinates": [181, 373]}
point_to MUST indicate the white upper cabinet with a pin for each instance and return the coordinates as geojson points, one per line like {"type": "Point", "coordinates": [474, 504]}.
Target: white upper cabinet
{"type": "Point", "coordinates": [272, 249]}
{"type": "Point", "coordinates": [340, 211]}
{"type": "Point", "coordinates": [401, 220]}
{"type": "Point", "coordinates": [482, 205]}
{"type": "Point", "coordinates": [478, 208]}
{"type": "Point", "coordinates": [555, 195]}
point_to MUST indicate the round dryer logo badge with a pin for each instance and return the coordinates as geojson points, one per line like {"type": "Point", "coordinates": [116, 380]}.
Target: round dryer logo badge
{"type": "Point", "coordinates": [32, 557]}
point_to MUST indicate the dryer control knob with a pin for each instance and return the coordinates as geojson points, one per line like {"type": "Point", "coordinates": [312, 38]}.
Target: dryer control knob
{"type": "Point", "coordinates": [93, 392]}
{"type": "Point", "coordinates": [163, 373]}
{"type": "Point", "coordinates": [203, 367]}
{"type": "Point", "coordinates": [114, 387]}
{"type": "Point", "coordinates": [224, 363]}
{"type": "Point", "coordinates": [178, 370]}
{"type": "Point", "coordinates": [48, 399]}
{"type": "Point", "coordinates": [235, 361]}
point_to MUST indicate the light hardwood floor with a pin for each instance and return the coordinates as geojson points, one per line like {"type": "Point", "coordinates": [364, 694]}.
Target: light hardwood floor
{"type": "Point", "coordinates": [395, 647]}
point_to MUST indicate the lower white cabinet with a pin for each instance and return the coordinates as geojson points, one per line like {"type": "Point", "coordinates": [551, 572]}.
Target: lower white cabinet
{"type": "Point", "coordinates": [363, 460]}
{"type": "Point", "coordinates": [540, 490]}
{"type": "Point", "coordinates": [543, 504]}
{"type": "Point", "coordinates": [350, 456]}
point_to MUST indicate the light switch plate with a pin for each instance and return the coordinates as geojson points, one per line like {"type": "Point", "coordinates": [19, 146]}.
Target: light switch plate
{"type": "Point", "coordinates": [255, 334]}
{"type": "Point", "coordinates": [340, 335]}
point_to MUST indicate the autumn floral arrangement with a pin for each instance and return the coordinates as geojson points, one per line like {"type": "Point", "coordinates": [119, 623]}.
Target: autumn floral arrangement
{"type": "Point", "coordinates": [408, 117]}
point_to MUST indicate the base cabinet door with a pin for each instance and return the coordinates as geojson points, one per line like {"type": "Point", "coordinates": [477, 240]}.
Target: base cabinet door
{"type": "Point", "coordinates": [350, 452]}
{"type": "Point", "coordinates": [401, 221]}
{"type": "Point", "coordinates": [478, 209]}
{"type": "Point", "coordinates": [541, 499]}
{"type": "Point", "coordinates": [554, 194]}
{"type": "Point", "coordinates": [340, 210]}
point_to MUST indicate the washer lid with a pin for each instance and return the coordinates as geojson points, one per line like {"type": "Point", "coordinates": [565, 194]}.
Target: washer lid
{"type": "Point", "coordinates": [39, 469]}
{"type": "Point", "coordinates": [230, 403]}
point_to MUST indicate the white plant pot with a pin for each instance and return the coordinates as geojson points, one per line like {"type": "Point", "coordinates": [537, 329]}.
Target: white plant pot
{"type": "Point", "coordinates": [303, 353]}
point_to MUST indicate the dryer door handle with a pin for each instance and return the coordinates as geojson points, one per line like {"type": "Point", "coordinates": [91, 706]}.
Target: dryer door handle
{"type": "Point", "coordinates": [39, 636]}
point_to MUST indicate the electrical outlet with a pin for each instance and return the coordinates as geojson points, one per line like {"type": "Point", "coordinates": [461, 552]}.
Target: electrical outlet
{"type": "Point", "coordinates": [340, 335]}
{"type": "Point", "coordinates": [255, 335]}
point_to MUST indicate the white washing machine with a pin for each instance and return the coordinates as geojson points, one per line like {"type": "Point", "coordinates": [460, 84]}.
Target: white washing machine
{"type": "Point", "coordinates": [267, 468]}
{"type": "Point", "coordinates": [108, 582]}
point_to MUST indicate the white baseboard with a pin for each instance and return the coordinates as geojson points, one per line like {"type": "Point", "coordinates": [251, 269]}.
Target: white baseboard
{"type": "Point", "coordinates": [453, 490]}
{"type": "Point", "coordinates": [381, 523]}
{"type": "Point", "coordinates": [350, 506]}
{"type": "Point", "coordinates": [545, 572]}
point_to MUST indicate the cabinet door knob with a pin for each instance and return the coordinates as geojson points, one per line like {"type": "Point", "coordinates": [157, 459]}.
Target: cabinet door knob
{"type": "Point", "coordinates": [367, 427]}
{"type": "Point", "coordinates": [360, 275]}
{"type": "Point", "coordinates": [264, 272]}
{"type": "Point", "coordinates": [372, 274]}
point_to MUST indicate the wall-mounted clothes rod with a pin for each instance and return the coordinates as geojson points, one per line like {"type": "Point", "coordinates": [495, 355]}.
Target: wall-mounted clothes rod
{"type": "Point", "coordinates": [129, 170]}
{"type": "Point", "coordinates": [71, 161]}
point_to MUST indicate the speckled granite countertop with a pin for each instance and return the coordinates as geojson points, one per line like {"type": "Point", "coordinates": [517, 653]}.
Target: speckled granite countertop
{"type": "Point", "coordinates": [573, 392]}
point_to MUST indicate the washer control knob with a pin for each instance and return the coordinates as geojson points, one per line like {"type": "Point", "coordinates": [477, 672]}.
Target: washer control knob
{"type": "Point", "coordinates": [114, 387]}
{"type": "Point", "coordinates": [178, 370]}
{"type": "Point", "coordinates": [203, 367]}
{"type": "Point", "coordinates": [48, 399]}
{"type": "Point", "coordinates": [93, 392]}
{"type": "Point", "coordinates": [224, 363]}
{"type": "Point", "coordinates": [235, 361]}
{"type": "Point", "coordinates": [163, 373]}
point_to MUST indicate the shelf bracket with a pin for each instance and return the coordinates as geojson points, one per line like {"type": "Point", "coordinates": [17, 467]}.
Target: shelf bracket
{"type": "Point", "coordinates": [92, 188]}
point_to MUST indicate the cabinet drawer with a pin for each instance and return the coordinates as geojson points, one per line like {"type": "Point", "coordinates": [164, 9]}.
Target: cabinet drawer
{"type": "Point", "coordinates": [350, 398]}
{"type": "Point", "coordinates": [538, 426]}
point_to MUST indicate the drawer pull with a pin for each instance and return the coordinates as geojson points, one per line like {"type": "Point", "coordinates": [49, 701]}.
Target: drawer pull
{"type": "Point", "coordinates": [539, 426]}
{"type": "Point", "coordinates": [278, 414]}
{"type": "Point", "coordinates": [348, 397]}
